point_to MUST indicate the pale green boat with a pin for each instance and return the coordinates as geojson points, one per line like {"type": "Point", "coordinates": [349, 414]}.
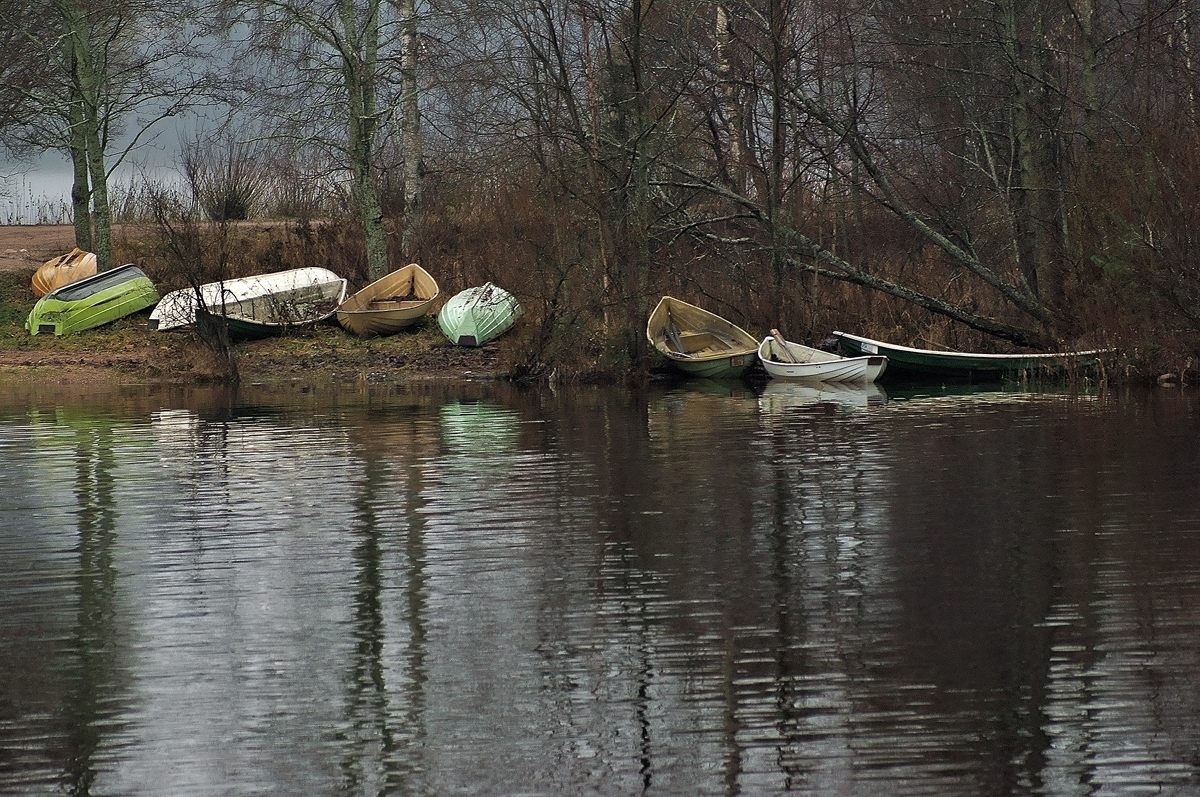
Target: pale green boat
{"type": "Point", "coordinates": [698, 342]}
{"type": "Point", "coordinates": [92, 302]}
{"type": "Point", "coordinates": [478, 315]}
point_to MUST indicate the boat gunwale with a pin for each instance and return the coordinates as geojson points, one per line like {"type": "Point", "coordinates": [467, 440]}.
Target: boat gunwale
{"type": "Point", "coordinates": [411, 272]}
{"type": "Point", "coordinates": [965, 355]}
{"type": "Point", "coordinates": [776, 369]}
{"type": "Point", "coordinates": [658, 341]}
{"type": "Point", "coordinates": [252, 320]}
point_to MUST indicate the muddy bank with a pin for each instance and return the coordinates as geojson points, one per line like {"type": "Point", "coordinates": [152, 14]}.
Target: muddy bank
{"type": "Point", "coordinates": [128, 350]}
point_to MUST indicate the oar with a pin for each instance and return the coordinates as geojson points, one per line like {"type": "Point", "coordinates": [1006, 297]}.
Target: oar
{"type": "Point", "coordinates": [672, 333]}
{"type": "Point", "coordinates": [778, 338]}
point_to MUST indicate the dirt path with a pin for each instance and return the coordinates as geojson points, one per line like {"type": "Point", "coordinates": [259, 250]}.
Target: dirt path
{"type": "Point", "coordinates": [28, 246]}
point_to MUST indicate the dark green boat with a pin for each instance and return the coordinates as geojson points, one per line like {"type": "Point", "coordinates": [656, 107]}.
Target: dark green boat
{"type": "Point", "coordinates": [92, 301]}
{"type": "Point", "coordinates": [905, 362]}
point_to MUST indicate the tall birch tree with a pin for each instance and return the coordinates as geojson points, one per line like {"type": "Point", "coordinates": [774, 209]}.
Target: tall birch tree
{"type": "Point", "coordinates": [325, 75]}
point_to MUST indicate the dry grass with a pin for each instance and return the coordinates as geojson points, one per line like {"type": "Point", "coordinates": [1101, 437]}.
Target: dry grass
{"type": "Point", "coordinates": [584, 304]}
{"type": "Point", "coordinates": [128, 350]}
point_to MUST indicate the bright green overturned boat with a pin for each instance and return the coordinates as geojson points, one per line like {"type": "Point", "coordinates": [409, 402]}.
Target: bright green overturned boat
{"type": "Point", "coordinates": [478, 315]}
{"type": "Point", "coordinates": [92, 301]}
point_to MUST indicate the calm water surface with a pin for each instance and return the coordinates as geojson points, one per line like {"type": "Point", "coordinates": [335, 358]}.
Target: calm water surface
{"type": "Point", "coordinates": [701, 590]}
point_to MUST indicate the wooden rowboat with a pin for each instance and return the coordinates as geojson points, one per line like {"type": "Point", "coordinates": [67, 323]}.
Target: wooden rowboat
{"type": "Point", "coordinates": [63, 270]}
{"type": "Point", "coordinates": [698, 342]}
{"type": "Point", "coordinates": [478, 315]}
{"type": "Point", "coordinates": [92, 301]}
{"type": "Point", "coordinates": [783, 359]}
{"type": "Point", "coordinates": [253, 296]}
{"type": "Point", "coordinates": [911, 363]}
{"type": "Point", "coordinates": [389, 304]}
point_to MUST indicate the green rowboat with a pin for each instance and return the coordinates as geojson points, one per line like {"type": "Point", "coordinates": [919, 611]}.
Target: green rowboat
{"type": "Point", "coordinates": [478, 315]}
{"type": "Point", "coordinates": [92, 301]}
{"type": "Point", "coordinates": [905, 362]}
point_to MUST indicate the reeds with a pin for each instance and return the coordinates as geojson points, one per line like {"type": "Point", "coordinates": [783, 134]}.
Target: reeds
{"type": "Point", "coordinates": [19, 204]}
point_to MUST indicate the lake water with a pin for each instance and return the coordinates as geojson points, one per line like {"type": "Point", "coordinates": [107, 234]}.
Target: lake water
{"type": "Point", "coordinates": [708, 589]}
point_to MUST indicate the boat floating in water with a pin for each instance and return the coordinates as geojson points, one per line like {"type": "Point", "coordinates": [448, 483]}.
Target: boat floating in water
{"type": "Point", "coordinates": [784, 359]}
{"type": "Point", "coordinates": [698, 342]}
{"type": "Point", "coordinates": [478, 315]}
{"type": "Point", "coordinates": [912, 363]}
{"type": "Point", "coordinates": [92, 301]}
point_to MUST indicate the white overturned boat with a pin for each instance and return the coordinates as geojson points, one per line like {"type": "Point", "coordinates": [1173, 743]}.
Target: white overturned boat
{"type": "Point", "coordinates": [786, 360]}
{"type": "Point", "coordinates": [241, 296]}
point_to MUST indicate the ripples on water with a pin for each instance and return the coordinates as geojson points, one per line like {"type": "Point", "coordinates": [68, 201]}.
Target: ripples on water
{"type": "Point", "coordinates": [709, 590]}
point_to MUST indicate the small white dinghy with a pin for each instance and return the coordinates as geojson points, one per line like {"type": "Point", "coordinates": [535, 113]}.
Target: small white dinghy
{"type": "Point", "coordinates": [786, 360]}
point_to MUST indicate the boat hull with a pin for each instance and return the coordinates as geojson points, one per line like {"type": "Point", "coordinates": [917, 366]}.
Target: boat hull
{"type": "Point", "coordinates": [731, 367]}
{"type": "Point", "coordinates": [384, 307]}
{"type": "Point", "coordinates": [912, 363]}
{"type": "Point", "coordinates": [244, 296]}
{"type": "Point", "coordinates": [63, 270]}
{"type": "Point", "coordinates": [478, 315]}
{"type": "Point", "coordinates": [814, 365]}
{"type": "Point", "coordinates": [92, 302]}
{"type": "Point", "coordinates": [700, 343]}
{"type": "Point", "coordinates": [282, 311]}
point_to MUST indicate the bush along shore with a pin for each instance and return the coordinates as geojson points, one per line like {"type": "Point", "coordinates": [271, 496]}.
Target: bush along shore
{"type": "Point", "coordinates": [567, 334]}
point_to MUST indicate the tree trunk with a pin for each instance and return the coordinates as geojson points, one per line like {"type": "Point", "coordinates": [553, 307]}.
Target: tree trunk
{"type": "Point", "coordinates": [81, 192]}
{"type": "Point", "coordinates": [735, 166]}
{"type": "Point", "coordinates": [775, 176]}
{"type": "Point", "coordinates": [410, 128]}
{"type": "Point", "coordinates": [1036, 191]}
{"type": "Point", "coordinates": [101, 211]}
{"type": "Point", "coordinates": [80, 116]}
{"type": "Point", "coordinates": [360, 62]}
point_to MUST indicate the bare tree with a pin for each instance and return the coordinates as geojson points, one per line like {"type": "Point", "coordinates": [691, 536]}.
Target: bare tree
{"type": "Point", "coordinates": [110, 72]}
{"type": "Point", "coordinates": [331, 76]}
{"type": "Point", "coordinates": [963, 126]}
{"type": "Point", "coordinates": [410, 125]}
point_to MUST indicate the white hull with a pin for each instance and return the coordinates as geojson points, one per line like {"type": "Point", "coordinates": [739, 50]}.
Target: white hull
{"type": "Point", "coordinates": [815, 365]}
{"type": "Point", "coordinates": [178, 308]}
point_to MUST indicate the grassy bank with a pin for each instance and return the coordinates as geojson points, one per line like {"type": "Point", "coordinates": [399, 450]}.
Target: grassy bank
{"type": "Point", "coordinates": [128, 350]}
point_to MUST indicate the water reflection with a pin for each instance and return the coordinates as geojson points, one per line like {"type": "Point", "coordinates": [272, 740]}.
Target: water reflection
{"type": "Point", "coordinates": [710, 589]}
{"type": "Point", "coordinates": [385, 700]}
{"type": "Point", "coordinates": [781, 396]}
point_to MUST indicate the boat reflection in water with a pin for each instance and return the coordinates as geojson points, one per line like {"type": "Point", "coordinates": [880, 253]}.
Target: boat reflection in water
{"type": "Point", "coordinates": [781, 395]}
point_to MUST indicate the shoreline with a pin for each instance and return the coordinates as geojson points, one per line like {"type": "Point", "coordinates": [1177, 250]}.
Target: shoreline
{"type": "Point", "coordinates": [127, 351]}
